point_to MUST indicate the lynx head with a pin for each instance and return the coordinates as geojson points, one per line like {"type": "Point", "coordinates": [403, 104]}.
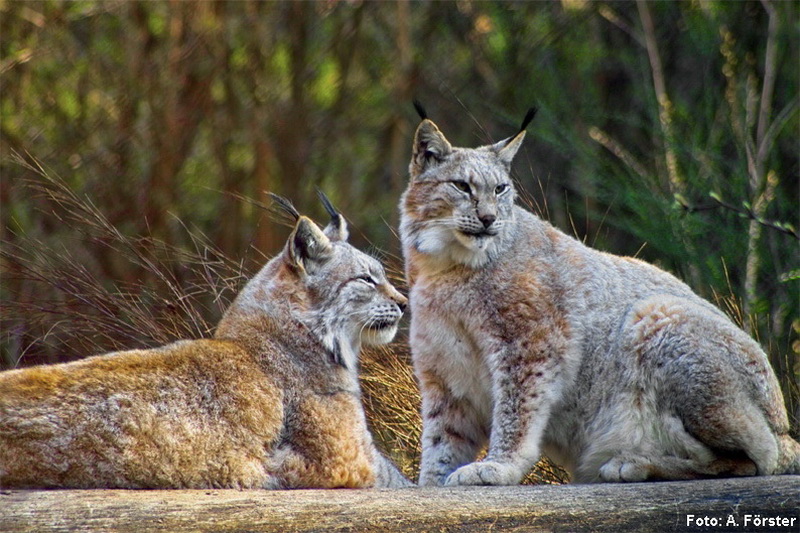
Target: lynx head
{"type": "Point", "coordinates": [459, 201]}
{"type": "Point", "coordinates": [340, 294]}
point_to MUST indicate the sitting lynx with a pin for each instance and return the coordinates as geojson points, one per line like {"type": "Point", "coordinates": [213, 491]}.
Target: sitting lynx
{"type": "Point", "coordinates": [272, 401]}
{"type": "Point", "coordinates": [525, 339]}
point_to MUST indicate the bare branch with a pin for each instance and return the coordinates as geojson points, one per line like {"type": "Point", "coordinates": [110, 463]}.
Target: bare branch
{"type": "Point", "coordinates": [676, 182]}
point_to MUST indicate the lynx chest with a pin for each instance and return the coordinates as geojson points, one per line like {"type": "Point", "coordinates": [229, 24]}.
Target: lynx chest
{"type": "Point", "coordinates": [447, 334]}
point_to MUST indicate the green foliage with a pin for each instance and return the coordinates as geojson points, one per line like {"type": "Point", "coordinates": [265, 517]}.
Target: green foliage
{"type": "Point", "coordinates": [163, 113]}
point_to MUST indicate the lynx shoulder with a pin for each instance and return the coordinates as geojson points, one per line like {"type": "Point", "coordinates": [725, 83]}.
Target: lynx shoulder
{"type": "Point", "coordinates": [272, 401]}
{"type": "Point", "coordinates": [528, 341]}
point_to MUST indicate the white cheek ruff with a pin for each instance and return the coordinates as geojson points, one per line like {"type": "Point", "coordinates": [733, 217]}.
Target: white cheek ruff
{"type": "Point", "coordinates": [473, 258]}
{"type": "Point", "coordinates": [434, 240]}
{"type": "Point", "coordinates": [472, 251]}
{"type": "Point", "coordinates": [373, 337]}
{"type": "Point", "coordinates": [475, 243]}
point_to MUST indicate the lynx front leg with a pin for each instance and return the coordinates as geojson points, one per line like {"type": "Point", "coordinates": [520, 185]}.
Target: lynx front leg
{"type": "Point", "coordinates": [453, 432]}
{"type": "Point", "coordinates": [525, 389]}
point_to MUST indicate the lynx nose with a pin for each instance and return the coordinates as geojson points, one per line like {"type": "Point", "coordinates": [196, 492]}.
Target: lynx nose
{"type": "Point", "coordinates": [402, 302]}
{"type": "Point", "coordinates": [399, 300]}
{"type": "Point", "coordinates": [487, 220]}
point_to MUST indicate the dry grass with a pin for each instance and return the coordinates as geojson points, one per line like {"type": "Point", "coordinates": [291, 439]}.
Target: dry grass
{"type": "Point", "coordinates": [391, 401]}
{"type": "Point", "coordinates": [56, 306]}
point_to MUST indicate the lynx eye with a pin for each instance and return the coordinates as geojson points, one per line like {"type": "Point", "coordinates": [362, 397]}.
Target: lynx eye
{"type": "Point", "coordinates": [462, 186]}
{"type": "Point", "coordinates": [369, 280]}
{"type": "Point", "coordinates": [500, 189]}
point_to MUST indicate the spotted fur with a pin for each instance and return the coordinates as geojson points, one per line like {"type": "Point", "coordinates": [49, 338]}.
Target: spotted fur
{"type": "Point", "coordinates": [527, 341]}
{"type": "Point", "coordinates": [272, 401]}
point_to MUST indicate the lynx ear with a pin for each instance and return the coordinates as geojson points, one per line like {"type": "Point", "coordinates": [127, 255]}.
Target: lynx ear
{"type": "Point", "coordinates": [507, 149]}
{"type": "Point", "coordinates": [308, 246]}
{"type": "Point", "coordinates": [430, 148]}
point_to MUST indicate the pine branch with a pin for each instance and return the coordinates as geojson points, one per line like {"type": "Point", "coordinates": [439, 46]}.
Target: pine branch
{"type": "Point", "coordinates": [746, 211]}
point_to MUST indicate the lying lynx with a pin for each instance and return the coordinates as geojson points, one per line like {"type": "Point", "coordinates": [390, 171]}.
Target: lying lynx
{"type": "Point", "coordinates": [525, 339]}
{"type": "Point", "coordinates": [272, 401]}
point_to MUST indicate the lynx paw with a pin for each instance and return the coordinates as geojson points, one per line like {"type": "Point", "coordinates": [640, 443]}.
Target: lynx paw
{"type": "Point", "coordinates": [485, 473]}
{"type": "Point", "coordinates": [623, 468]}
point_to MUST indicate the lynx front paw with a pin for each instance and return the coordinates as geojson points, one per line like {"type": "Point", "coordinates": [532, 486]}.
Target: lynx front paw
{"type": "Point", "coordinates": [485, 473]}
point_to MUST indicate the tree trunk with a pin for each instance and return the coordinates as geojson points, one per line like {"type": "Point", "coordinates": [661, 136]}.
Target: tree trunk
{"type": "Point", "coordinates": [731, 504]}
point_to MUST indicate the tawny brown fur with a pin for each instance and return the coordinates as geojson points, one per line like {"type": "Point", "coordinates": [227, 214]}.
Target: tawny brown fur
{"type": "Point", "coordinates": [272, 401]}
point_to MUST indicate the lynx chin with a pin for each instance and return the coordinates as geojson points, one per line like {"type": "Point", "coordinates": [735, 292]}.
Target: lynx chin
{"type": "Point", "coordinates": [528, 341]}
{"type": "Point", "coordinates": [272, 401]}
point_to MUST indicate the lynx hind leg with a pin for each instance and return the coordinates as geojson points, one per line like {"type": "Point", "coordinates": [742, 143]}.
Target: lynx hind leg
{"type": "Point", "coordinates": [716, 379]}
{"type": "Point", "coordinates": [631, 467]}
{"type": "Point", "coordinates": [789, 462]}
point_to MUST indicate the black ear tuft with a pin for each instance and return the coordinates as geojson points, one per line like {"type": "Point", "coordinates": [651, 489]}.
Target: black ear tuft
{"type": "Point", "coordinates": [420, 110]}
{"type": "Point", "coordinates": [283, 208]}
{"type": "Point", "coordinates": [337, 229]}
{"type": "Point", "coordinates": [528, 118]}
{"type": "Point", "coordinates": [326, 203]}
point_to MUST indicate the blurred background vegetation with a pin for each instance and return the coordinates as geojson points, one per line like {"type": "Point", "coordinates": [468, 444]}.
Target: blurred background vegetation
{"type": "Point", "coordinates": [139, 137]}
